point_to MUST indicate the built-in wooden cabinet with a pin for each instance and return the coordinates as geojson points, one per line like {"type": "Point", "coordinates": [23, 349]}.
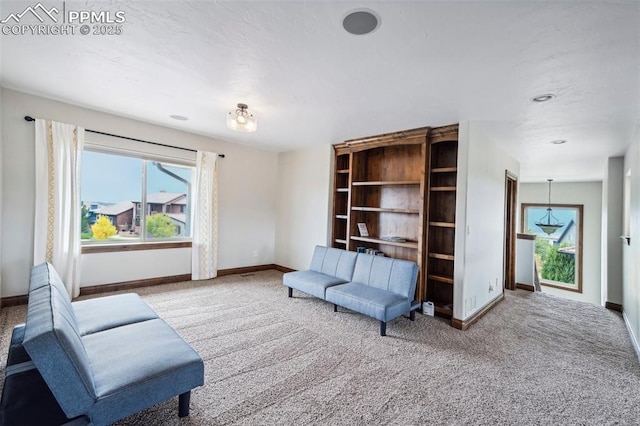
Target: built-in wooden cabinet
{"type": "Point", "coordinates": [402, 186]}
{"type": "Point", "coordinates": [341, 193]}
{"type": "Point", "coordinates": [380, 182]}
{"type": "Point", "coordinates": [441, 216]}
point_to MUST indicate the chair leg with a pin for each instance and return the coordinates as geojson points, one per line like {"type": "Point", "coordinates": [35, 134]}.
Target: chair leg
{"type": "Point", "coordinates": [335, 308]}
{"type": "Point", "coordinates": [290, 292]}
{"type": "Point", "coordinates": [383, 328]}
{"type": "Point", "coordinates": [183, 404]}
{"type": "Point", "coordinates": [412, 315]}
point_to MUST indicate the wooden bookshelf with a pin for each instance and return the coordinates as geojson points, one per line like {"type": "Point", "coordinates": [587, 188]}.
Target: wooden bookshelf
{"type": "Point", "coordinates": [387, 182]}
{"type": "Point", "coordinates": [402, 185]}
{"type": "Point", "coordinates": [441, 217]}
{"type": "Point", "coordinates": [341, 185]}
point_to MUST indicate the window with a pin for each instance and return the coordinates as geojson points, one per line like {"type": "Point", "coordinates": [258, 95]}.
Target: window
{"type": "Point", "coordinates": [559, 253]}
{"type": "Point", "coordinates": [129, 199]}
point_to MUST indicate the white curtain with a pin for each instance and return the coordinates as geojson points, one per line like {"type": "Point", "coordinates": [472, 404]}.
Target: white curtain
{"type": "Point", "coordinates": [204, 251]}
{"type": "Point", "coordinates": [57, 208]}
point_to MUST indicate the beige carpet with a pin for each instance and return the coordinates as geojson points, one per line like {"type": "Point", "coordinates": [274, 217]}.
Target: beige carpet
{"type": "Point", "coordinates": [534, 359]}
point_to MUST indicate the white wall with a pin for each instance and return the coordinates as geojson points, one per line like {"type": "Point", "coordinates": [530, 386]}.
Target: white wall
{"type": "Point", "coordinates": [525, 261]}
{"type": "Point", "coordinates": [145, 264]}
{"type": "Point", "coordinates": [1, 215]}
{"type": "Point", "coordinates": [480, 217]}
{"type": "Point", "coordinates": [589, 194]}
{"type": "Point", "coordinates": [631, 253]}
{"type": "Point", "coordinates": [612, 193]}
{"type": "Point", "coordinates": [304, 192]}
{"type": "Point", "coordinates": [247, 197]}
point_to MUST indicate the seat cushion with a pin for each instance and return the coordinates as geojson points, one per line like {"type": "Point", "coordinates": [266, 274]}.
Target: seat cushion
{"type": "Point", "coordinates": [103, 313]}
{"type": "Point", "coordinates": [374, 302]}
{"type": "Point", "coordinates": [311, 282]}
{"type": "Point", "coordinates": [138, 365]}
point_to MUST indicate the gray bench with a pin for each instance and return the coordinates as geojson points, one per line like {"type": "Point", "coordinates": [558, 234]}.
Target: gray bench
{"type": "Point", "coordinates": [380, 287]}
{"type": "Point", "coordinates": [101, 359]}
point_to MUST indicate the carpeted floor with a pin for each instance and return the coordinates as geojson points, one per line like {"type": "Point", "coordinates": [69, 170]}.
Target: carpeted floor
{"type": "Point", "coordinates": [534, 359]}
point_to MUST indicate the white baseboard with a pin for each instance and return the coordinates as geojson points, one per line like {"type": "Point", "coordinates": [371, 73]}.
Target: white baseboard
{"type": "Point", "coordinates": [634, 340]}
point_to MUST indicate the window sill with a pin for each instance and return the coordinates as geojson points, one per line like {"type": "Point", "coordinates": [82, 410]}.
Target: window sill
{"type": "Point", "coordinates": [110, 248]}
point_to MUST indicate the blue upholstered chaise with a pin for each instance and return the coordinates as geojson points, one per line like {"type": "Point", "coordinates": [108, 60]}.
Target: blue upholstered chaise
{"type": "Point", "coordinates": [104, 359]}
{"type": "Point", "coordinates": [382, 288]}
{"type": "Point", "coordinates": [377, 286]}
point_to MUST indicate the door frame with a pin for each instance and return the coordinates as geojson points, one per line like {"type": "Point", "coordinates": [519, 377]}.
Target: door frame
{"type": "Point", "coordinates": [510, 212]}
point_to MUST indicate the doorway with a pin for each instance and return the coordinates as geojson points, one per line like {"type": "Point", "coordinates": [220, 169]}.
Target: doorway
{"type": "Point", "coordinates": [510, 209]}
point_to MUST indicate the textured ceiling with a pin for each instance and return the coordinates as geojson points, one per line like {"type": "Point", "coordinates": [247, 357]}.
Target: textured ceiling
{"type": "Point", "coordinates": [310, 82]}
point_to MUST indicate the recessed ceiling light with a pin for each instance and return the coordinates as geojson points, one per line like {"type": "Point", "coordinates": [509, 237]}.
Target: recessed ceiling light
{"type": "Point", "coordinates": [543, 98]}
{"type": "Point", "coordinates": [361, 22]}
{"type": "Point", "coordinates": [179, 117]}
{"type": "Point", "coordinates": [558, 142]}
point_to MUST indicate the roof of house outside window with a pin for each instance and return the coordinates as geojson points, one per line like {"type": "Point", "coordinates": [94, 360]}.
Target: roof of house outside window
{"type": "Point", "coordinates": [115, 209]}
{"type": "Point", "coordinates": [166, 198]}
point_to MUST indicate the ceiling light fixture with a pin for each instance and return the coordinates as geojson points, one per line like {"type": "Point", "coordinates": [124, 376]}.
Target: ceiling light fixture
{"type": "Point", "coordinates": [549, 223]}
{"type": "Point", "coordinates": [361, 22]}
{"type": "Point", "coordinates": [241, 120]}
{"type": "Point", "coordinates": [543, 98]}
{"type": "Point", "coordinates": [179, 117]}
{"type": "Point", "coordinates": [558, 142]}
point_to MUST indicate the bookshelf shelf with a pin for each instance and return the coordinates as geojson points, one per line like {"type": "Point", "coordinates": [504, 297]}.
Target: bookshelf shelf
{"type": "Point", "coordinates": [406, 244]}
{"type": "Point", "coordinates": [385, 210]}
{"type": "Point", "coordinates": [386, 183]}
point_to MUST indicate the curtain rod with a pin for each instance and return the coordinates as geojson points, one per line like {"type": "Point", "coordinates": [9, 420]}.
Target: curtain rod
{"type": "Point", "coordinates": [29, 118]}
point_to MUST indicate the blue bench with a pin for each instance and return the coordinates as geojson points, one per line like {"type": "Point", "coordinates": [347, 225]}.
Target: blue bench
{"type": "Point", "coordinates": [377, 286]}
{"type": "Point", "coordinates": [101, 359]}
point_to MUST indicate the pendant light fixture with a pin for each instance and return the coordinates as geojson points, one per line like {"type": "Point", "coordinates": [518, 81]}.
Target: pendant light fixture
{"type": "Point", "coordinates": [241, 120]}
{"type": "Point", "coordinates": [549, 223]}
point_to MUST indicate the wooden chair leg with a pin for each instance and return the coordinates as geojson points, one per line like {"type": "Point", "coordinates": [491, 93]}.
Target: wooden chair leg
{"type": "Point", "coordinates": [183, 404]}
{"type": "Point", "coordinates": [290, 292]}
{"type": "Point", "coordinates": [383, 328]}
{"type": "Point", "coordinates": [335, 308]}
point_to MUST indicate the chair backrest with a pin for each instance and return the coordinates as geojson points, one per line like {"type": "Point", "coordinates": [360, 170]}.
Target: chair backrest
{"type": "Point", "coordinates": [53, 342]}
{"type": "Point", "coordinates": [335, 262]}
{"type": "Point", "coordinates": [393, 275]}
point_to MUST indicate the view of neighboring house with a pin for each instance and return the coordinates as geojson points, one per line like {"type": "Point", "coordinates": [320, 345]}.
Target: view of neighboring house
{"type": "Point", "coordinates": [125, 215]}
{"type": "Point", "coordinates": [567, 240]}
{"type": "Point", "coordinates": [170, 203]}
{"type": "Point", "coordinates": [121, 215]}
